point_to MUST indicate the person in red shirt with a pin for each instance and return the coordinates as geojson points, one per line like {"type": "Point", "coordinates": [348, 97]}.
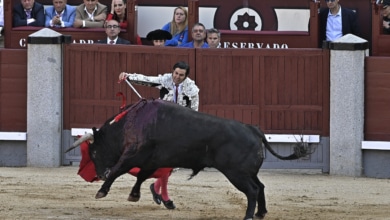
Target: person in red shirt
{"type": "Point", "coordinates": [118, 12]}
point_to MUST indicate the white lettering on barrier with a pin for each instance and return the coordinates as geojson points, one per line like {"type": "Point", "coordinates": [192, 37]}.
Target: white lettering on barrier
{"type": "Point", "coordinates": [227, 44]}
{"type": "Point", "coordinates": [82, 41]}
{"type": "Point", "coordinates": [23, 42]}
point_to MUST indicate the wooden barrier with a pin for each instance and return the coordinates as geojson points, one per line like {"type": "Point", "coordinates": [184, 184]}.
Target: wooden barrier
{"type": "Point", "coordinates": [13, 90]}
{"type": "Point", "coordinates": [277, 89]}
{"type": "Point", "coordinates": [283, 91]}
{"type": "Point", "coordinates": [380, 42]}
{"type": "Point", "coordinates": [91, 75]}
{"type": "Point", "coordinates": [377, 99]}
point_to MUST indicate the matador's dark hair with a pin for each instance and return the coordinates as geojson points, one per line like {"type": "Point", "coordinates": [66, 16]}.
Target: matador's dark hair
{"type": "Point", "coordinates": [182, 65]}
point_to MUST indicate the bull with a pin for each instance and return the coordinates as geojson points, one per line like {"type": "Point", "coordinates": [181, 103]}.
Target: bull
{"type": "Point", "coordinates": [154, 133]}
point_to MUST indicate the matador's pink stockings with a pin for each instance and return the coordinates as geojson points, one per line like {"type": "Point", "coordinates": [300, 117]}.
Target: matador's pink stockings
{"type": "Point", "coordinates": [162, 183]}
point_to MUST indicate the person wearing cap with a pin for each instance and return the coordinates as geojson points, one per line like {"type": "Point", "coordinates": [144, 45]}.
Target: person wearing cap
{"type": "Point", "coordinates": [158, 37]}
{"type": "Point", "coordinates": [385, 12]}
{"type": "Point", "coordinates": [336, 21]}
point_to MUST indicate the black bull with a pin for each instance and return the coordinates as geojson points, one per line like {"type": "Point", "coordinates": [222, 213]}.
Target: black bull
{"type": "Point", "coordinates": [155, 133]}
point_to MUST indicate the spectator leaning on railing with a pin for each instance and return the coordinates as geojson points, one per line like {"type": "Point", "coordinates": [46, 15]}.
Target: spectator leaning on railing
{"type": "Point", "coordinates": [28, 13]}
{"type": "Point", "coordinates": [60, 14]}
{"type": "Point", "coordinates": [90, 14]}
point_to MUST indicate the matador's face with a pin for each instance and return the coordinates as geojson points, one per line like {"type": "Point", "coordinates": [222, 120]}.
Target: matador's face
{"type": "Point", "coordinates": [178, 76]}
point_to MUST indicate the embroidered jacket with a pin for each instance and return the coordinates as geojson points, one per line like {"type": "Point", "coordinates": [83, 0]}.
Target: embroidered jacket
{"type": "Point", "coordinates": [187, 97]}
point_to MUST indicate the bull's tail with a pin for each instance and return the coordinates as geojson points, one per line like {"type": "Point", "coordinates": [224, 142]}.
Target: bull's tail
{"type": "Point", "coordinates": [301, 150]}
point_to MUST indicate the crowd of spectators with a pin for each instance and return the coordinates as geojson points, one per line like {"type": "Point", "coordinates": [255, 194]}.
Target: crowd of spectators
{"type": "Point", "coordinates": [93, 14]}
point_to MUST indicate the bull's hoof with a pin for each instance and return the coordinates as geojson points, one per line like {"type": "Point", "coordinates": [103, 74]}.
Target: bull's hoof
{"type": "Point", "coordinates": [133, 198]}
{"type": "Point", "coordinates": [100, 195]}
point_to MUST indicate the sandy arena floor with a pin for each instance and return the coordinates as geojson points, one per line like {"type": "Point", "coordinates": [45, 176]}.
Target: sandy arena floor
{"type": "Point", "coordinates": [59, 193]}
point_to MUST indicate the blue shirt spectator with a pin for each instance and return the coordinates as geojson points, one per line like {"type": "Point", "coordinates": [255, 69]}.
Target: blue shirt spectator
{"type": "Point", "coordinates": [178, 27]}
{"type": "Point", "coordinates": [199, 36]}
{"type": "Point", "coordinates": [60, 14]}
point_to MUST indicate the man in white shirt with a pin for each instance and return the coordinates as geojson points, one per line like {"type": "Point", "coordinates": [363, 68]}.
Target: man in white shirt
{"type": "Point", "coordinates": [90, 14]}
{"type": "Point", "coordinates": [336, 21]}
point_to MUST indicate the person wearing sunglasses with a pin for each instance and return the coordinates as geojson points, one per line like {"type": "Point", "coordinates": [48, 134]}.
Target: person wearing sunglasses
{"type": "Point", "coordinates": [336, 21]}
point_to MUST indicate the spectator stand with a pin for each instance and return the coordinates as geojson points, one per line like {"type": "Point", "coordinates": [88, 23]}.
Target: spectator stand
{"type": "Point", "coordinates": [16, 37]}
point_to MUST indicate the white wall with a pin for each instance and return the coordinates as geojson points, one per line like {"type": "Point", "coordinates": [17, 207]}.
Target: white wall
{"type": "Point", "coordinates": [155, 17]}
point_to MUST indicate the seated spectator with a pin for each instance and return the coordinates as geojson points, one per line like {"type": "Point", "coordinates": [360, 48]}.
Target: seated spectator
{"type": "Point", "coordinates": [28, 13]}
{"type": "Point", "coordinates": [385, 11]}
{"type": "Point", "coordinates": [90, 14]}
{"type": "Point", "coordinates": [158, 37]}
{"type": "Point", "coordinates": [60, 14]}
{"type": "Point", "coordinates": [213, 38]}
{"type": "Point", "coordinates": [178, 27]}
{"type": "Point", "coordinates": [198, 36]}
{"type": "Point", "coordinates": [112, 30]}
{"type": "Point", "coordinates": [118, 12]}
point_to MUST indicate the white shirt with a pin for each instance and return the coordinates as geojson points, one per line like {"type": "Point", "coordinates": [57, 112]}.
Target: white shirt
{"type": "Point", "coordinates": [90, 15]}
{"type": "Point", "coordinates": [334, 27]}
{"type": "Point", "coordinates": [108, 40]}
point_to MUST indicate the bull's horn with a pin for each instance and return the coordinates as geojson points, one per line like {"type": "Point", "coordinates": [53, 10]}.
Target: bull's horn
{"type": "Point", "coordinates": [85, 137]}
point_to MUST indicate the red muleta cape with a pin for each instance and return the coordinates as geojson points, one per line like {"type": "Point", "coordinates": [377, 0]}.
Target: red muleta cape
{"type": "Point", "coordinates": [88, 173]}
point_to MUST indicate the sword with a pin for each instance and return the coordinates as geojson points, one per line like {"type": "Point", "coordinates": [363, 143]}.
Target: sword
{"type": "Point", "coordinates": [132, 87]}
